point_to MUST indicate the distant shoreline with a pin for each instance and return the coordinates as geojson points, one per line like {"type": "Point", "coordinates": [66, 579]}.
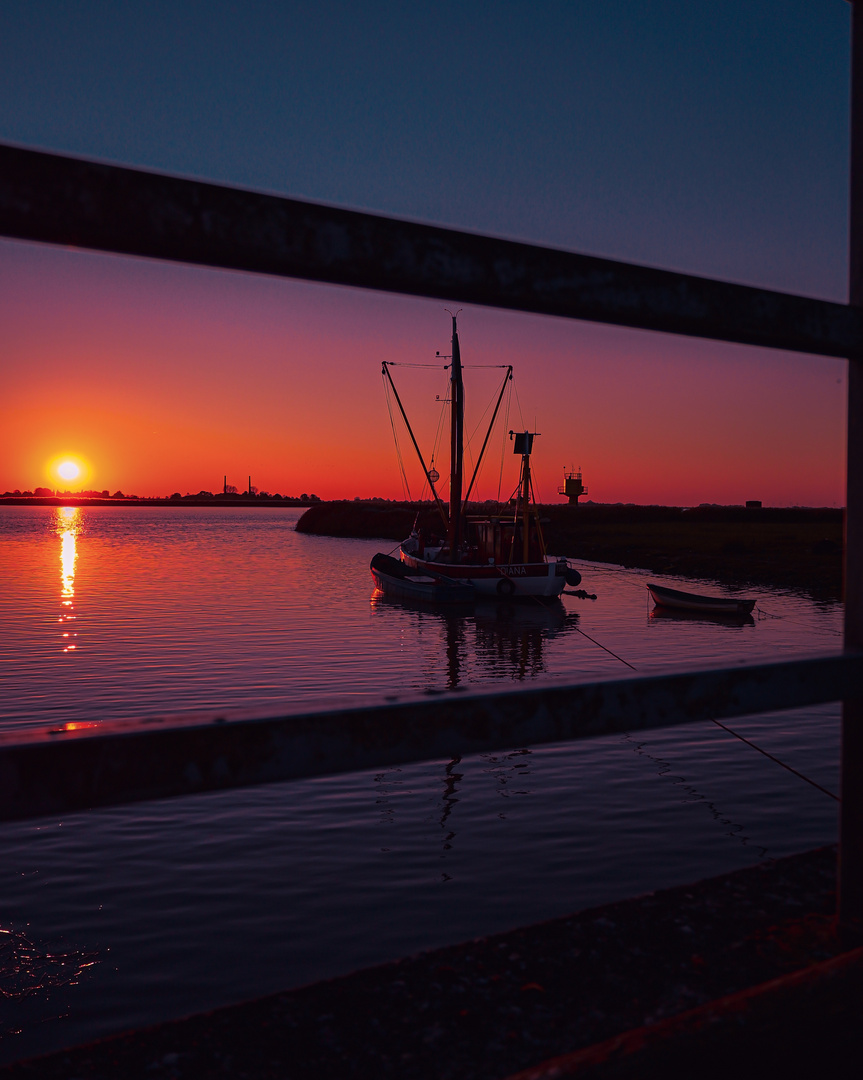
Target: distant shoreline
{"type": "Point", "coordinates": [245, 501]}
{"type": "Point", "coordinates": [796, 548]}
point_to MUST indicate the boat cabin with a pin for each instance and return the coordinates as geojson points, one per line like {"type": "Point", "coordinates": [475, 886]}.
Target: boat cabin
{"type": "Point", "coordinates": [498, 540]}
{"type": "Point", "coordinates": [501, 539]}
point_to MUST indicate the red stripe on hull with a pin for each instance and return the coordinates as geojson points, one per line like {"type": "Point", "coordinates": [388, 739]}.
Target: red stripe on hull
{"type": "Point", "coordinates": [526, 579]}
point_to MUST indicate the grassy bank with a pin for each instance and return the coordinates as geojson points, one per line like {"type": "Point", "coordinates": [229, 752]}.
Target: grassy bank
{"type": "Point", "coordinates": [796, 548]}
{"type": "Point", "coordinates": [739, 974]}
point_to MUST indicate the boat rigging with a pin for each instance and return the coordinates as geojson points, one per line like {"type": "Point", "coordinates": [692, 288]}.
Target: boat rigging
{"type": "Point", "coordinates": [501, 554]}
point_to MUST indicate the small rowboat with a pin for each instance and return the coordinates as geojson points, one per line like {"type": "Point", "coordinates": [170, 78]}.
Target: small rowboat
{"type": "Point", "coordinates": [401, 582]}
{"type": "Point", "coordinates": [684, 601]}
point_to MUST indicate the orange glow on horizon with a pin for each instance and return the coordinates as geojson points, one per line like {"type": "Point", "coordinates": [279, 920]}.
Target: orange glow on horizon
{"type": "Point", "coordinates": [185, 375]}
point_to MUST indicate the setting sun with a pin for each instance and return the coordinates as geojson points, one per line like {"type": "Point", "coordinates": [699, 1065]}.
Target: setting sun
{"type": "Point", "coordinates": [68, 470]}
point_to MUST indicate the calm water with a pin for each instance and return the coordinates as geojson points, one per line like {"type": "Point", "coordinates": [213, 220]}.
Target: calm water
{"type": "Point", "coordinates": [175, 906]}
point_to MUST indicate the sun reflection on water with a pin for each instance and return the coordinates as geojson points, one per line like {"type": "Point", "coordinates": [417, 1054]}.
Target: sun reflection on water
{"type": "Point", "coordinates": [68, 526]}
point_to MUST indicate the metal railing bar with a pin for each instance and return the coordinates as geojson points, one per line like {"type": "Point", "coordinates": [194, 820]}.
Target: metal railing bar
{"type": "Point", "coordinates": [850, 884]}
{"type": "Point", "coordinates": [57, 199]}
{"type": "Point", "coordinates": [61, 770]}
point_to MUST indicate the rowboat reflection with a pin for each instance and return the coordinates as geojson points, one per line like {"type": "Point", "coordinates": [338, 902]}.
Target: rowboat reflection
{"type": "Point", "coordinates": [660, 615]}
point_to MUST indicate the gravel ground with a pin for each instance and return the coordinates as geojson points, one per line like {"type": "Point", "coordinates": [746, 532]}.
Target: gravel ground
{"type": "Point", "coordinates": [491, 1007]}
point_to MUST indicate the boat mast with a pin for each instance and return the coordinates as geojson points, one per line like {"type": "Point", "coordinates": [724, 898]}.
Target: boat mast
{"type": "Point", "coordinates": [456, 446]}
{"type": "Point", "coordinates": [525, 495]}
{"type": "Point", "coordinates": [524, 446]}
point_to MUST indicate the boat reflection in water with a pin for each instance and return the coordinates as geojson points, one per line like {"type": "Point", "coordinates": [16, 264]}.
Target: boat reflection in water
{"type": "Point", "coordinates": [660, 615]}
{"type": "Point", "coordinates": [490, 639]}
{"type": "Point", "coordinates": [487, 639]}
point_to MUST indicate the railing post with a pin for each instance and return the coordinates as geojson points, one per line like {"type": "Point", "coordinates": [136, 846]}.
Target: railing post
{"type": "Point", "coordinates": [850, 891]}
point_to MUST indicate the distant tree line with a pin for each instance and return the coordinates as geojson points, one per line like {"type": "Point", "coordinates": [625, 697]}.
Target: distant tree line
{"type": "Point", "coordinates": [50, 493]}
{"type": "Point", "coordinates": [200, 496]}
{"type": "Point", "coordinates": [231, 493]}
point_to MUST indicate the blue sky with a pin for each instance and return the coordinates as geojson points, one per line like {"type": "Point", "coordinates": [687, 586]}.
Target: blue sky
{"type": "Point", "coordinates": [710, 138]}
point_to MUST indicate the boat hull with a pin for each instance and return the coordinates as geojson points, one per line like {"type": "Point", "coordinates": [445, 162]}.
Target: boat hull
{"type": "Point", "coordinates": [684, 601]}
{"type": "Point", "coordinates": [509, 581]}
{"type": "Point", "coordinates": [396, 581]}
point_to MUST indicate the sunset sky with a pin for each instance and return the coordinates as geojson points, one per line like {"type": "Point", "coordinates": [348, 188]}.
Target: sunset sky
{"type": "Point", "coordinates": [705, 138]}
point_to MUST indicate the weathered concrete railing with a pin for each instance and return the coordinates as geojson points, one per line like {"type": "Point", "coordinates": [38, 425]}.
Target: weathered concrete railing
{"type": "Point", "coordinates": [80, 766]}
{"type": "Point", "coordinates": [61, 200]}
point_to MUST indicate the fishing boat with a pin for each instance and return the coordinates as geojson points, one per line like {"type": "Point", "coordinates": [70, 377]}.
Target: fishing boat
{"type": "Point", "coordinates": [500, 555]}
{"type": "Point", "coordinates": [710, 605]}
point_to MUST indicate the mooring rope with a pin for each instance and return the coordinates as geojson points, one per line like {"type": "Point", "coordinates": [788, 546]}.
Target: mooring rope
{"type": "Point", "coordinates": [605, 648]}
{"type": "Point", "coordinates": [797, 622]}
{"type": "Point", "coordinates": [623, 571]}
{"type": "Point", "coordinates": [578, 631]}
{"type": "Point", "coordinates": [725, 727]}
{"type": "Point", "coordinates": [776, 759]}
{"type": "Point", "coordinates": [405, 485]}
{"type": "Point", "coordinates": [503, 440]}
{"type": "Point", "coordinates": [718, 723]}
